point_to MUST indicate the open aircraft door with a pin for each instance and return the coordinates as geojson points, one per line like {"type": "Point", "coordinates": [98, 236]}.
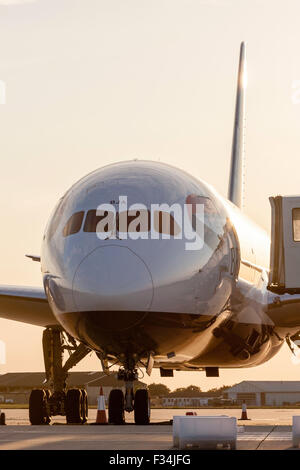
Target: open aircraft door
{"type": "Point", "coordinates": [285, 245]}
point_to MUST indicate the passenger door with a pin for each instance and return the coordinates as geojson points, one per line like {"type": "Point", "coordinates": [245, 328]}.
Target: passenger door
{"type": "Point", "coordinates": [285, 245]}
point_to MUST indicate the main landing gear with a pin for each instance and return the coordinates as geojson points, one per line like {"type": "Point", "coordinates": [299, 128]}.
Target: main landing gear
{"type": "Point", "coordinates": [139, 402]}
{"type": "Point", "coordinates": [71, 403]}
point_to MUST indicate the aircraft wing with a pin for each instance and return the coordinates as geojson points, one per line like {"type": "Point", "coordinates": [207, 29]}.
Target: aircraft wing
{"type": "Point", "coordinates": [26, 304]}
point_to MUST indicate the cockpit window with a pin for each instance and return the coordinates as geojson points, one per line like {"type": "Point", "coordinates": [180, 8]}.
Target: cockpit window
{"type": "Point", "coordinates": [74, 224]}
{"type": "Point", "coordinates": [209, 207]}
{"type": "Point", "coordinates": [132, 221]}
{"type": "Point", "coordinates": [122, 222]}
{"type": "Point", "coordinates": [165, 223]}
{"type": "Point", "coordinates": [210, 210]}
{"type": "Point", "coordinates": [92, 219]}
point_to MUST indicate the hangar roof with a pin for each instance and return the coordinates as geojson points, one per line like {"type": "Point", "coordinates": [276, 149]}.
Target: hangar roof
{"type": "Point", "coordinates": [108, 381]}
{"type": "Point", "coordinates": [188, 394]}
{"type": "Point", "coordinates": [75, 379]}
{"type": "Point", "coordinates": [265, 386]}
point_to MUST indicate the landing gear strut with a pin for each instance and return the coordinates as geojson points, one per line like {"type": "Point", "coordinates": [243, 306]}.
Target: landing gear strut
{"type": "Point", "coordinates": [139, 402]}
{"type": "Point", "coordinates": [72, 403]}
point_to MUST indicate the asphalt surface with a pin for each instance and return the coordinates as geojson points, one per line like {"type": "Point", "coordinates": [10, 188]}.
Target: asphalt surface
{"type": "Point", "coordinates": [267, 429]}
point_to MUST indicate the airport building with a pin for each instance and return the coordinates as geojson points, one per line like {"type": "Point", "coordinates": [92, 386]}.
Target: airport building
{"type": "Point", "coordinates": [16, 387]}
{"type": "Point", "coordinates": [180, 399]}
{"type": "Point", "coordinates": [107, 382]}
{"type": "Point", "coordinates": [264, 393]}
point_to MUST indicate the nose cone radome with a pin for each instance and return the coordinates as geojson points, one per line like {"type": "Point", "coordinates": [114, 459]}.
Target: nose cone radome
{"type": "Point", "coordinates": [112, 278]}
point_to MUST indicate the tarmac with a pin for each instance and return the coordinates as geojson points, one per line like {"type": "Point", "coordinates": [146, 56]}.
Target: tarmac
{"type": "Point", "coordinates": [266, 430]}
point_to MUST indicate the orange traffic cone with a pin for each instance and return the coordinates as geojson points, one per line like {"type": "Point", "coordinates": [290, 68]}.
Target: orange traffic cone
{"type": "Point", "coordinates": [101, 412]}
{"type": "Point", "coordinates": [244, 416]}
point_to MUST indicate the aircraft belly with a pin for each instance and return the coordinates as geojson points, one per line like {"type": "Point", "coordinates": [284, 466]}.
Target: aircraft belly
{"type": "Point", "coordinates": [188, 339]}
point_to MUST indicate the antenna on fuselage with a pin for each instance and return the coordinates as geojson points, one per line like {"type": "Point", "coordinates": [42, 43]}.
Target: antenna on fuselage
{"type": "Point", "coordinates": [236, 181]}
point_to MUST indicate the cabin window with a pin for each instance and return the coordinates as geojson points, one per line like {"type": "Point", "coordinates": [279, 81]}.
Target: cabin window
{"type": "Point", "coordinates": [296, 224]}
{"type": "Point", "coordinates": [74, 224]}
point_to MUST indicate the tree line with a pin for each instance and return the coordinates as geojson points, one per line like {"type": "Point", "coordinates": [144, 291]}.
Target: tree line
{"type": "Point", "coordinates": [161, 390]}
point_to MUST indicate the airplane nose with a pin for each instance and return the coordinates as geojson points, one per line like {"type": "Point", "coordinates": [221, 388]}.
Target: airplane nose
{"type": "Point", "coordinates": [112, 278]}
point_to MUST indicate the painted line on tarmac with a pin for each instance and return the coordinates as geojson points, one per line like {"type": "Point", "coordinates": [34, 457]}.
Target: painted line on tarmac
{"type": "Point", "coordinates": [280, 437]}
{"type": "Point", "coordinates": [252, 437]}
{"type": "Point", "coordinates": [29, 443]}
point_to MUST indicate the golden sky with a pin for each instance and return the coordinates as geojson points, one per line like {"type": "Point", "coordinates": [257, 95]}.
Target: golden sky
{"type": "Point", "coordinates": [93, 82]}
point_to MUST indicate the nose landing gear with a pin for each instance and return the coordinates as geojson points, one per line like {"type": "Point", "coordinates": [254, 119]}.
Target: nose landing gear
{"type": "Point", "coordinates": [139, 402]}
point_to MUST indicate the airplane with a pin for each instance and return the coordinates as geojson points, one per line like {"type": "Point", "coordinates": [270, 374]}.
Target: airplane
{"type": "Point", "coordinates": [141, 301]}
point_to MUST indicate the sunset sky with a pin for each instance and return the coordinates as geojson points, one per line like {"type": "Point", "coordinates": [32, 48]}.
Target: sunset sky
{"type": "Point", "coordinates": [91, 82]}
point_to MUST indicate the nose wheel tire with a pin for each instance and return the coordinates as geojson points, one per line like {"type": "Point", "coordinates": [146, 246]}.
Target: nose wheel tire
{"type": "Point", "coordinates": [116, 407]}
{"type": "Point", "coordinates": [141, 407]}
{"type": "Point", "coordinates": [74, 404]}
{"type": "Point", "coordinates": [38, 407]}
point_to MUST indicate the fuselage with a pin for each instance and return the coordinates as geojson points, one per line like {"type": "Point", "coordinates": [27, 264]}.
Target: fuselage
{"type": "Point", "coordinates": [128, 296]}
